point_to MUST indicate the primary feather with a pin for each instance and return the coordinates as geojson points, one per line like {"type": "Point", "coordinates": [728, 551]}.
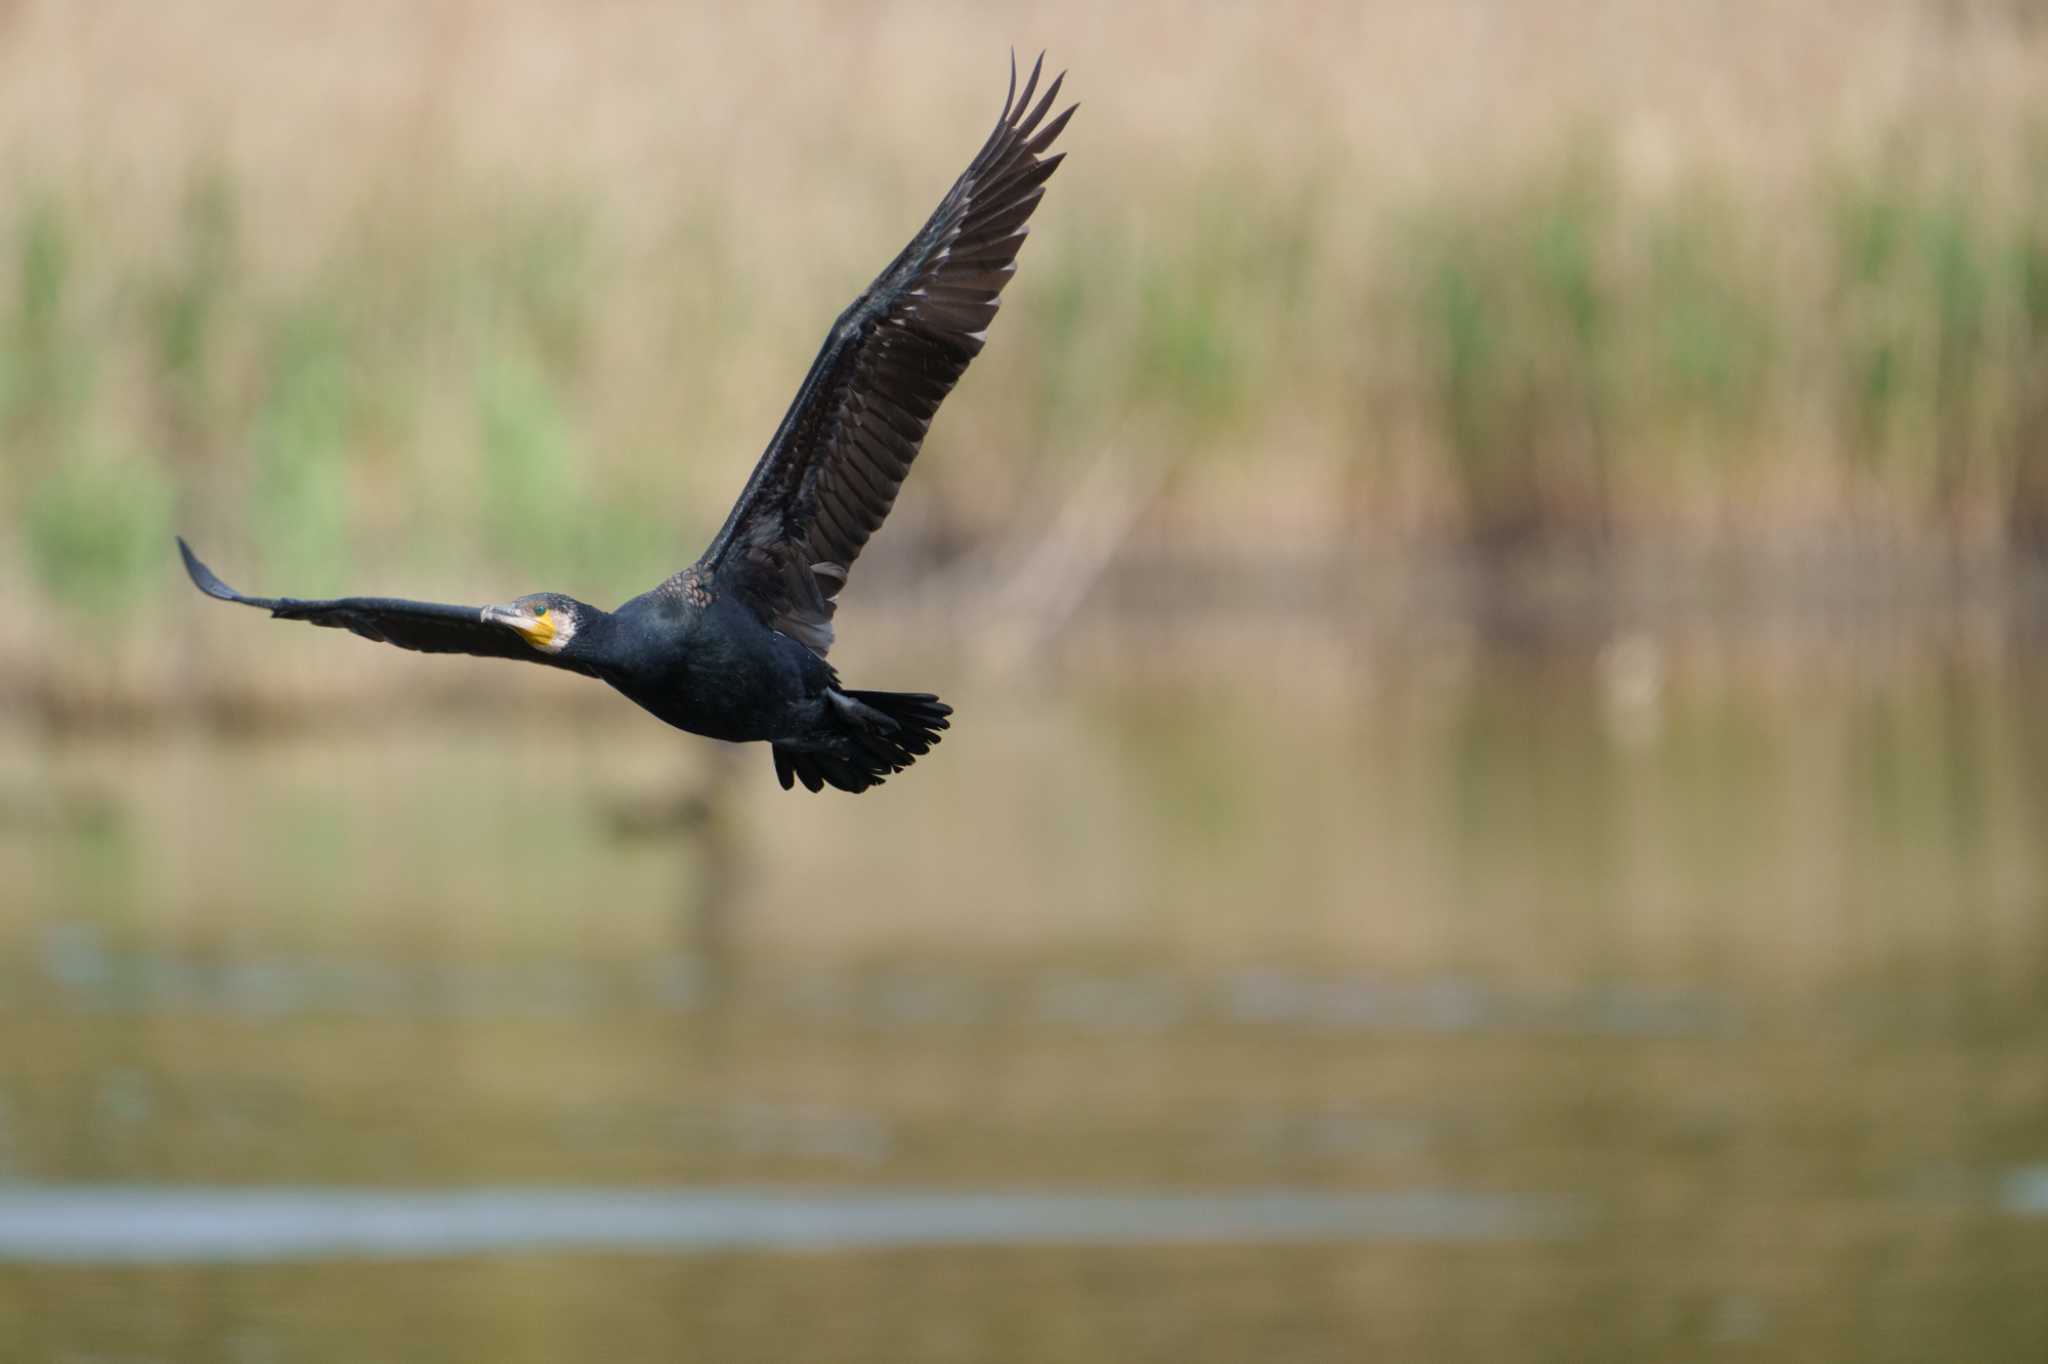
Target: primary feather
{"type": "Point", "coordinates": [831, 472]}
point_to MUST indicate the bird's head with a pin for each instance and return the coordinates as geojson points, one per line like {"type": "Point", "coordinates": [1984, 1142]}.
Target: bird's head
{"type": "Point", "coordinates": [546, 620]}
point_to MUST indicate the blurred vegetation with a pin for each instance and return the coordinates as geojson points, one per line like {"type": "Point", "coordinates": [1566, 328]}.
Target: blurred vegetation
{"type": "Point", "coordinates": [560, 374]}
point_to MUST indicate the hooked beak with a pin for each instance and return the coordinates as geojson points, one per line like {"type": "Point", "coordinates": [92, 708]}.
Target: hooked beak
{"type": "Point", "coordinates": [538, 631]}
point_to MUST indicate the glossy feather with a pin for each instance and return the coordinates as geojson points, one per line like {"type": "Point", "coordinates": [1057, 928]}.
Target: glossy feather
{"type": "Point", "coordinates": [831, 473]}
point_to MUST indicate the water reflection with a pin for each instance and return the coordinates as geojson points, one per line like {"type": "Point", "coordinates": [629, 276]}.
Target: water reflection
{"type": "Point", "coordinates": [115, 1225]}
{"type": "Point", "coordinates": [1736, 946]}
{"type": "Point", "coordinates": [79, 972]}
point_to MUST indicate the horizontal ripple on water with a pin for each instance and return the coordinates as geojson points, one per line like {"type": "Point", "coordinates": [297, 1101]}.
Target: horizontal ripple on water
{"type": "Point", "coordinates": [83, 1224]}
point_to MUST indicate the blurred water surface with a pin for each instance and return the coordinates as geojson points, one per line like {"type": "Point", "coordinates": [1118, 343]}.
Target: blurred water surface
{"type": "Point", "coordinates": [1733, 949]}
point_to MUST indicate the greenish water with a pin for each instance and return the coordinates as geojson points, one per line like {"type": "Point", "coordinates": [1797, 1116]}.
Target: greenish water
{"type": "Point", "coordinates": [1676, 998]}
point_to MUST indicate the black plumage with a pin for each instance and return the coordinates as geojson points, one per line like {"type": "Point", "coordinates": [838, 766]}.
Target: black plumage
{"type": "Point", "coordinates": [734, 646]}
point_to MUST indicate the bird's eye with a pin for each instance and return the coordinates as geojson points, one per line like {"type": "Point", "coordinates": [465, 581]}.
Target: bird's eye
{"type": "Point", "coordinates": [540, 613]}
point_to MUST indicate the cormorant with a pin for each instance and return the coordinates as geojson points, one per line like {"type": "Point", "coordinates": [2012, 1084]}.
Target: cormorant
{"type": "Point", "coordinates": [734, 646]}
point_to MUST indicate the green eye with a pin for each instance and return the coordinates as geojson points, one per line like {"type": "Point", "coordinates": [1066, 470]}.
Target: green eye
{"type": "Point", "coordinates": [540, 613]}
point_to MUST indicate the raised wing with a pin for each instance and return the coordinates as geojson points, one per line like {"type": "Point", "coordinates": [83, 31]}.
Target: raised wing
{"type": "Point", "coordinates": [425, 626]}
{"type": "Point", "coordinates": [830, 475]}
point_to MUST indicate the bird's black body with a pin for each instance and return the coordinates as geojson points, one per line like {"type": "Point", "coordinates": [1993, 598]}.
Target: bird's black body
{"type": "Point", "coordinates": [734, 646]}
{"type": "Point", "coordinates": [714, 670]}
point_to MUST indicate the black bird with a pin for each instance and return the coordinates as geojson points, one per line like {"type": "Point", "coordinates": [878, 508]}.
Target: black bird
{"type": "Point", "coordinates": [734, 646]}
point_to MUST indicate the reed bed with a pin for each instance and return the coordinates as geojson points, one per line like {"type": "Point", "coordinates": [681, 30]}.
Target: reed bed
{"type": "Point", "coordinates": [511, 294]}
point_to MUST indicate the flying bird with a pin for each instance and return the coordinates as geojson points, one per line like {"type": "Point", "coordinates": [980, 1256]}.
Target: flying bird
{"type": "Point", "coordinates": [733, 647]}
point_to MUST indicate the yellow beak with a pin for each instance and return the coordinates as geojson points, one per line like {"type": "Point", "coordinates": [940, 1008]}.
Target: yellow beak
{"type": "Point", "coordinates": [539, 631]}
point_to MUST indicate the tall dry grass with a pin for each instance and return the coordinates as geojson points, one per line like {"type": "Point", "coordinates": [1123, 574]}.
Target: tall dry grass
{"type": "Point", "coordinates": [512, 293]}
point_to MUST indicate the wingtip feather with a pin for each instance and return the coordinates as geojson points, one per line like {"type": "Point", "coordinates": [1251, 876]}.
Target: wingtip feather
{"type": "Point", "coordinates": [1030, 87]}
{"type": "Point", "coordinates": [1050, 132]}
{"type": "Point", "coordinates": [204, 578]}
{"type": "Point", "coordinates": [1052, 92]}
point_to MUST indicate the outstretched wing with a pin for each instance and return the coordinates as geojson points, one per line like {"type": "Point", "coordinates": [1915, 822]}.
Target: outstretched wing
{"type": "Point", "coordinates": [830, 475]}
{"type": "Point", "coordinates": [429, 627]}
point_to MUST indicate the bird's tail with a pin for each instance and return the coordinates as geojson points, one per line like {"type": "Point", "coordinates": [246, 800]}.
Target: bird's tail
{"type": "Point", "coordinates": [881, 732]}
